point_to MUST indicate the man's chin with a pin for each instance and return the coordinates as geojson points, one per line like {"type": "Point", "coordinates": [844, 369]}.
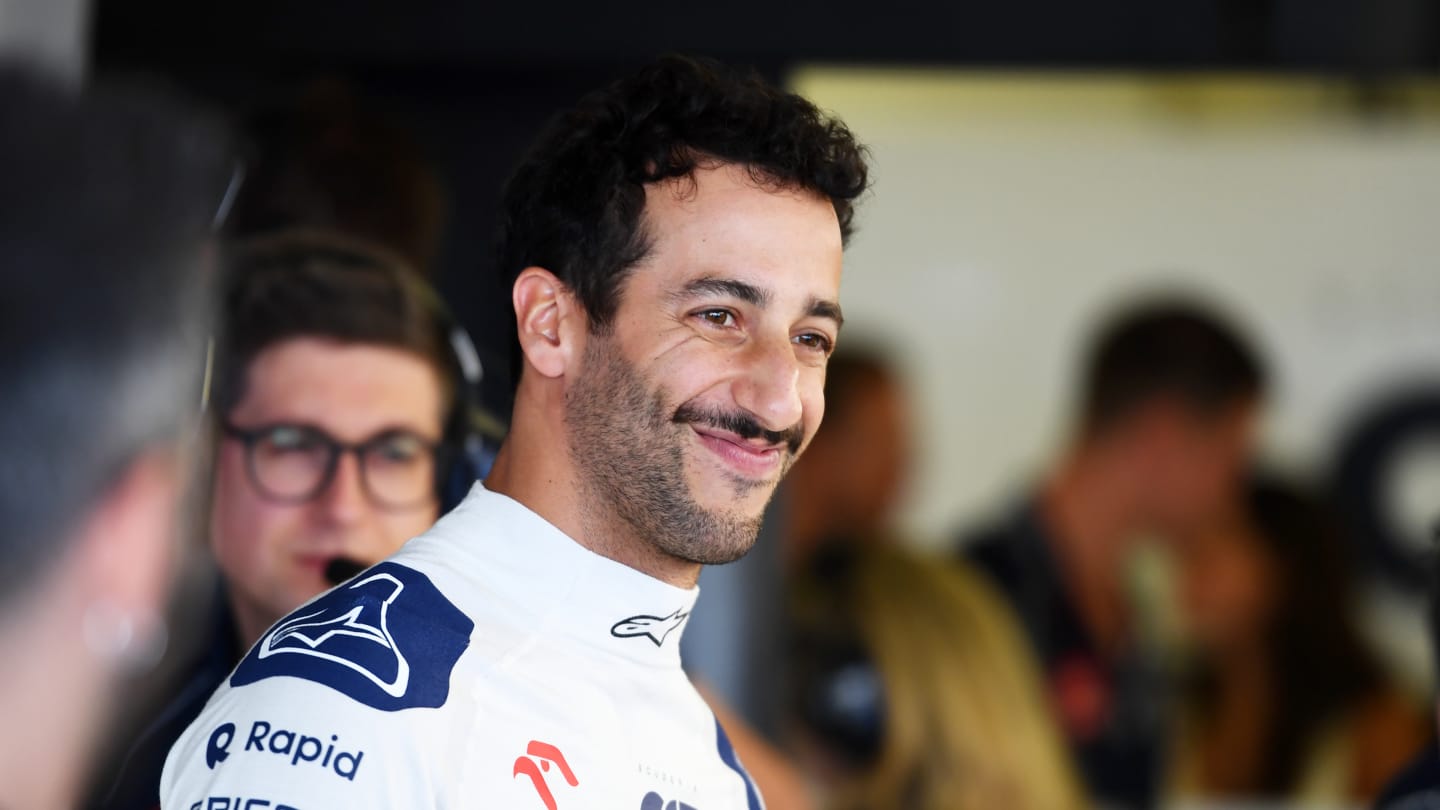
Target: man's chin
{"type": "Point", "coordinates": [734, 498]}
{"type": "Point", "coordinates": [712, 533]}
{"type": "Point", "coordinates": [304, 588]}
{"type": "Point", "coordinates": [723, 556]}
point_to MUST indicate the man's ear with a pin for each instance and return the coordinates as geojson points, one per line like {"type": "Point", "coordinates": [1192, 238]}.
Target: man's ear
{"type": "Point", "coordinates": [550, 322]}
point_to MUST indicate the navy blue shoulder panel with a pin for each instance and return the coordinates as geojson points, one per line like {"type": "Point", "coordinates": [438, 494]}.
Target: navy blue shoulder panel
{"type": "Point", "coordinates": [387, 638]}
{"type": "Point", "coordinates": [727, 755]}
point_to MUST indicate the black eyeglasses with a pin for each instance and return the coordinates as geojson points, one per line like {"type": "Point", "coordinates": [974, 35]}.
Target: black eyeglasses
{"type": "Point", "coordinates": [295, 463]}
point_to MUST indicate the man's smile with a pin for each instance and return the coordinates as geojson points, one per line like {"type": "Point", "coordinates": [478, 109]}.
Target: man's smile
{"type": "Point", "coordinates": [756, 459]}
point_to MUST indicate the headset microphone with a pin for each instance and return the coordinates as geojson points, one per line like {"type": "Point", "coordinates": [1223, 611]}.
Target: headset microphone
{"type": "Point", "coordinates": [342, 568]}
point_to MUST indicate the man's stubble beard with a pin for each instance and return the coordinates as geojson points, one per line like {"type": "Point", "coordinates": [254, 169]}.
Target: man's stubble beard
{"type": "Point", "coordinates": [628, 449]}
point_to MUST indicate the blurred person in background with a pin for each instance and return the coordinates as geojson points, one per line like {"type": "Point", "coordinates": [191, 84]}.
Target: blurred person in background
{"type": "Point", "coordinates": [1170, 394]}
{"type": "Point", "coordinates": [337, 402]}
{"type": "Point", "coordinates": [853, 474]}
{"type": "Point", "coordinates": [1417, 787]}
{"type": "Point", "coordinates": [335, 408]}
{"type": "Point", "coordinates": [108, 199]}
{"type": "Point", "coordinates": [1285, 701]}
{"type": "Point", "coordinates": [916, 689]}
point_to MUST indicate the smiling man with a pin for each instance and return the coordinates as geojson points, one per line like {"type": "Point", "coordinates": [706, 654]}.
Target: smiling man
{"type": "Point", "coordinates": [675, 246]}
{"type": "Point", "coordinates": [685, 398]}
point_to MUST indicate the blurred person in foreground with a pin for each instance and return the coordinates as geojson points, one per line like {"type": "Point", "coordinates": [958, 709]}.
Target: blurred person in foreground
{"type": "Point", "coordinates": [849, 481]}
{"type": "Point", "coordinates": [1169, 398]}
{"type": "Point", "coordinates": [674, 246]}
{"type": "Point", "coordinates": [916, 689]}
{"type": "Point", "coordinates": [1285, 701]}
{"type": "Point", "coordinates": [108, 198]}
{"type": "Point", "coordinates": [334, 415]}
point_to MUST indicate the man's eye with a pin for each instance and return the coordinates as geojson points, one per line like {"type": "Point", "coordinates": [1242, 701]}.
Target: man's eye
{"type": "Point", "coordinates": [814, 341]}
{"type": "Point", "coordinates": [718, 317]}
{"type": "Point", "coordinates": [400, 448]}
{"type": "Point", "coordinates": [294, 439]}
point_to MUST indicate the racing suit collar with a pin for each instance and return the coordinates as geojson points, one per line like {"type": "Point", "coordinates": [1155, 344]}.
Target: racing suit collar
{"type": "Point", "coordinates": [580, 596]}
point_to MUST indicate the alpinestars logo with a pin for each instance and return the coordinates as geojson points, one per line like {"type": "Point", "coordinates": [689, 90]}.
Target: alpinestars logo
{"type": "Point", "coordinates": [655, 628]}
{"type": "Point", "coordinates": [388, 639]}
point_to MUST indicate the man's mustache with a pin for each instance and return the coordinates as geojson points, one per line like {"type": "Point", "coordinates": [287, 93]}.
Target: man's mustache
{"type": "Point", "coordinates": [741, 425]}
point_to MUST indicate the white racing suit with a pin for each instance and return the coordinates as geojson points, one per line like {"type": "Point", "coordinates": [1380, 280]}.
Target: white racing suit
{"type": "Point", "coordinates": [493, 662]}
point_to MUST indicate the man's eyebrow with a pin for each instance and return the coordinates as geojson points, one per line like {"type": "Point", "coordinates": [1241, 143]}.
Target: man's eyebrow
{"type": "Point", "coordinates": [751, 294]}
{"type": "Point", "coordinates": [820, 308]}
{"type": "Point", "coordinates": [710, 285]}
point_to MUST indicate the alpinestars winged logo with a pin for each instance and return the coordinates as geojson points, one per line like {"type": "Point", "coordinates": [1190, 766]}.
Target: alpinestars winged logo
{"type": "Point", "coordinates": [655, 628]}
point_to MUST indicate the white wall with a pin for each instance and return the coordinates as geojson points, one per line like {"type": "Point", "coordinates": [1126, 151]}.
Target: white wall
{"type": "Point", "coordinates": [1010, 211]}
{"type": "Point", "coordinates": [53, 33]}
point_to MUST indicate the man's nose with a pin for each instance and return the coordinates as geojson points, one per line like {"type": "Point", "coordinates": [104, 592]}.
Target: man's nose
{"type": "Point", "coordinates": [344, 499]}
{"type": "Point", "coordinates": [769, 388]}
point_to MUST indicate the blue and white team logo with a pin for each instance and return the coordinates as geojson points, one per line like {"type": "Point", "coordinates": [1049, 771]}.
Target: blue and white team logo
{"type": "Point", "coordinates": [217, 750]}
{"type": "Point", "coordinates": [320, 634]}
{"type": "Point", "coordinates": [388, 639]}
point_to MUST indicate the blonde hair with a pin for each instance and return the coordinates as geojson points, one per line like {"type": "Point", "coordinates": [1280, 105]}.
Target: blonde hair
{"type": "Point", "coordinates": [967, 724]}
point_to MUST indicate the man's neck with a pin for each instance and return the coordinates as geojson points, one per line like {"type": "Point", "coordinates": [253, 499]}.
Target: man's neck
{"type": "Point", "coordinates": [1088, 513]}
{"type": "Point", "coordinates": [537, 473]}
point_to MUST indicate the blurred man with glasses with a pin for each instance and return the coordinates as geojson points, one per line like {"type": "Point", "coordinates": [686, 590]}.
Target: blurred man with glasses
{"type": "Point", "coordinates": [331, 394]}
{"type": "Point", "coordinates": [334, 384]}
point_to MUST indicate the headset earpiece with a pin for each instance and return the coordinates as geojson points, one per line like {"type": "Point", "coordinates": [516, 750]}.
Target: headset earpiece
{"type": "Point", "coordinates": [469, 450]}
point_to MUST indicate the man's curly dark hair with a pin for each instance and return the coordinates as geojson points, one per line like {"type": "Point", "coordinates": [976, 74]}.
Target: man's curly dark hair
{"type": "Point", "coordinates": [574, 204]}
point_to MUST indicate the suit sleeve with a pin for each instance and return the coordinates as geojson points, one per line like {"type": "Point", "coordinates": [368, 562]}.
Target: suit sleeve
{"type": "Point", "coordinates": [291, 745]}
